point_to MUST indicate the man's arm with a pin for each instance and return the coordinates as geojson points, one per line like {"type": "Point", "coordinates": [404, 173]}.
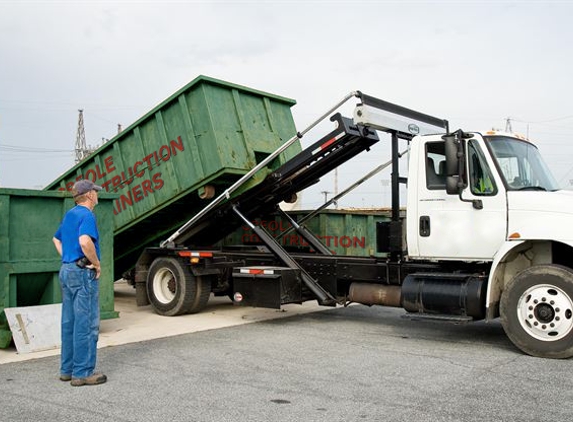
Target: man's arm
{"type": "Point", "coordinates": [58, 245]}
{"type": "Point", "coordinates": [88, 248]}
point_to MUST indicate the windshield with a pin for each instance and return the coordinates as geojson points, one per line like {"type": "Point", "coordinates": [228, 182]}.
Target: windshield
{"type": "Point", "coordinates": [521, 164]}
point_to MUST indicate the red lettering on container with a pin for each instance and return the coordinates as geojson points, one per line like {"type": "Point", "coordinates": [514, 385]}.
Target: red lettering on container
{"type": "Point", "coordinates": [147, 159]}
{"type": "Point", "coordinates": [146, 185]}
{"type": "Point", "coordinates": [91, 175]}
{"type": "Point", "coordinates": [126, 181]}
{"type": "Point", "coordinates": [137, 164]}
{"type": "Point", "coordinates": [359, 242]}
{"type": "Point", "coordinates": [108, 161]}
{"type": "Point", "coordinates": [126, 200]}
{"type": "Point", "coordinates": [158, 181]}
{"type": "Point", "coordinates": [127, 176]}
{"type": "Point", "coordinates": [164, 153]}
{"type": "Point", "coordinates": [100, 175]}
{"type": "Point", "coordinates": [105, 185]}
{"type": "Point", "coordinates": [177, 145]}
{"type": "Point", "coordinates": [137, 195]}
{"type": "Point", "coordinates": [116, 181]}
{"type": "Point", "coordinates": [345, 242]}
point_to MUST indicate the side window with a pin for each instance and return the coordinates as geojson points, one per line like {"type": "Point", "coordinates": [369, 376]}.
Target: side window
{"type": "Point", "coordinates": [435, 166]}
{"type": "Point", "coordinates": [481, 179]}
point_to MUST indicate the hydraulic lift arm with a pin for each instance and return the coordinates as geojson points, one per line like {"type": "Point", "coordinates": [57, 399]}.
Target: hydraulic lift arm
{"type": "Point", "coordinates": [350, 137]}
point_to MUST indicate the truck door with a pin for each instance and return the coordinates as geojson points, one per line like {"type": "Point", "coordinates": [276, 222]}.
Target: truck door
{"type": "Point", "coordinates": [454, 227]}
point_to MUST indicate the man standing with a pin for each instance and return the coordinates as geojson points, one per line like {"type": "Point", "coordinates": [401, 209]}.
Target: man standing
{"type": "Point", "coordinates": [77, 242]}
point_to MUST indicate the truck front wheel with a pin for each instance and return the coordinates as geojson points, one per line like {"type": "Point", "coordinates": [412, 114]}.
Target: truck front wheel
{"type": "Point", "coordinates": [537, 311]}
{"type": "Point", "coordinates": [174, 290]}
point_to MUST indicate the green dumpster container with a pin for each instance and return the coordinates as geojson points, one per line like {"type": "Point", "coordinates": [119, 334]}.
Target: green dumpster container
{"type": "Point", "coordinates": [349, 232]}
{"type": "Point", "coordinates": [29, 263]}
{"type": "Point", "coordinates": [168, 164]}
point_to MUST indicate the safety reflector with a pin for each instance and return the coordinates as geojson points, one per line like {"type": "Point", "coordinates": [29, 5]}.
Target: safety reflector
{"type": "Point", "coordinates": [238, 297]}
{"type": "Point", "coordinates": [328, 143]}
{"type": "Point", "coordinates": [192, 254]}
{"type": "Point", "coordinates": [256, 271]}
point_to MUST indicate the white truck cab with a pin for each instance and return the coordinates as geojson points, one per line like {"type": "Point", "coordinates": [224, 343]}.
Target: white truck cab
{"type": "Point", "coordinates": [490, 197]}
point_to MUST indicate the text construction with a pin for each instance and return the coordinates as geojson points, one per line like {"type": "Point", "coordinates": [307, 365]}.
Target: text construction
{"type": "Point", "coordinates": [136, 181]}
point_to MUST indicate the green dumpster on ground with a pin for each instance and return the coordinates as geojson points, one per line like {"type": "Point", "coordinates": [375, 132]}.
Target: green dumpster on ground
{"type": "Point", "coordinates": [29, 263]}
{"type": "Point", "coordinates": [346, 232]}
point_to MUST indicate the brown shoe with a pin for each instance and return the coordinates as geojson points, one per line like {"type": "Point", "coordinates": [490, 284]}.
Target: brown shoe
{"type": "Point", "coordinates": [93, 379]}
{"type": "Point", "coordinates": [65, 377]}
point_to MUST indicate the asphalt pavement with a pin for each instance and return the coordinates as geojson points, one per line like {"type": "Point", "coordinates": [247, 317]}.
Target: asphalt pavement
{"type": "Point", "coordinates": [343, 364]}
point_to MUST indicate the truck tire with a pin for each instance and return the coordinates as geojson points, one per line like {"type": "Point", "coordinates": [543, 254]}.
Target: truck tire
{"type": "Point", "coordinates": [202, 294]}
{"type": "Point", "coordinates": [536, 311]}
{"type": "Point", "coordinates": [174, 290]}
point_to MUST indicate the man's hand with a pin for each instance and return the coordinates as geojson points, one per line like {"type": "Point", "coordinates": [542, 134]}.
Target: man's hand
{"type": "Point", "coordinates": [97, 269]}
{"type": "Point", "coordinates": [88, 248]}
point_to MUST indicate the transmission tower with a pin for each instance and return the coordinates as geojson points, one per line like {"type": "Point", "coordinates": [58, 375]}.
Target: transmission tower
{"type": "Point", "coordinates": [81, 149]}
{"type": "Point", "coordinates": [508, 125]}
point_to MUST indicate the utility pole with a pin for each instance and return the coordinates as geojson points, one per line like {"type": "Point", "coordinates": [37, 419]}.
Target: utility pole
{"type": "Point", "coordinates": [325, 193]}
{"type": "Point", "coordinates": [335, 186]}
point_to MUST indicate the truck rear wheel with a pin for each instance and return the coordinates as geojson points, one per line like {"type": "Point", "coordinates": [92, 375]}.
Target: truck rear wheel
{"type": "Point", "coordinates": [174, 290]}
{"type": "Point", "coordinates": [537, 311]}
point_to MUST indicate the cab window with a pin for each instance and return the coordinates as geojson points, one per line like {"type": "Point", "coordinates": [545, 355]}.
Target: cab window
{"type": "Point", "coordinates": [435, 165]}
{"type": "Point", "coordinates": [481, 178]}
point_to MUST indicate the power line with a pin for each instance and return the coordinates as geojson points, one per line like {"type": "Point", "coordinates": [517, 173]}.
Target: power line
{"type": "Point", "coordinates": [15, 148]}
{"type": "Point", "coordinates": [547, 120]}
{"type": "Point", "coordinates": [50, 105]}
{"type": "Point", "coordinates": [41, 158]}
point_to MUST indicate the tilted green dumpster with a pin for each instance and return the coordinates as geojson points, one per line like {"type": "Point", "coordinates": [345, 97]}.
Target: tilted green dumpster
{"type": "Point", "coordinates": [168, 164]}
{"type": "Point", "coordinates": [29, 263]}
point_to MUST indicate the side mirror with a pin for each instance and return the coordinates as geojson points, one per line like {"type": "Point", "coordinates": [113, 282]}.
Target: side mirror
{"type": "Point", "coordinates": [452, 185]}
{"type": "Point", "coordinates": [454, 150]}
{"type": "Point", "coordinates": [451, 152]}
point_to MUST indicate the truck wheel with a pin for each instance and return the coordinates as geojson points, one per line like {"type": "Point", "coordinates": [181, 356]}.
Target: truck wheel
{"type": "Point", "coordinates": [202, 294]}
{"type": "Point", "coordinates": [174, 290]}
{"type": "Point", "coordinates": [537, 311]}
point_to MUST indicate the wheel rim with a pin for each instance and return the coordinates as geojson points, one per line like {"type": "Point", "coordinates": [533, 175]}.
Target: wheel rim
{"type": "Point", "coordinates": [545, 312]}
{"type": "Point", "coordinates": [164, 286]}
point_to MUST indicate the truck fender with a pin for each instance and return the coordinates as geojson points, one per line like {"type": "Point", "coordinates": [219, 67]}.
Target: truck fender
{"type": "Point", "coordinates": [513, 257]}
{"type": "Point", "coordinates": [499, 275]}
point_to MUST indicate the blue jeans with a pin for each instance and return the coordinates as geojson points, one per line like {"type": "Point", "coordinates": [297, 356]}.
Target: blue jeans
{"type": "Point", "coordinates": [80, 320]}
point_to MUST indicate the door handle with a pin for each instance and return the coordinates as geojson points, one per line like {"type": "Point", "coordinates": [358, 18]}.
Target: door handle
{"type": "Point", "coordinates": [425, 225]}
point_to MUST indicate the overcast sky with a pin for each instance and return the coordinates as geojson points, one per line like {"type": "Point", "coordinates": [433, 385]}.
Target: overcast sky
{"type": "Point", "coordinates": [473, 63]}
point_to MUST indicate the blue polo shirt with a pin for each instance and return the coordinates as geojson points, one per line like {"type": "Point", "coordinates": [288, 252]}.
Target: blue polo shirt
{"type": "Point", "coordinates": [78, 221]}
